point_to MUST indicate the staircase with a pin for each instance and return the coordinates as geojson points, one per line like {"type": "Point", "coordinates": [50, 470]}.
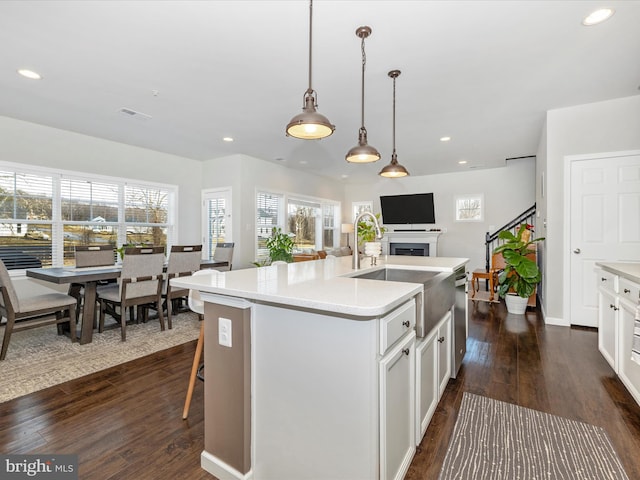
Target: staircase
{"type": "Point", "coordinates": [491, 239]}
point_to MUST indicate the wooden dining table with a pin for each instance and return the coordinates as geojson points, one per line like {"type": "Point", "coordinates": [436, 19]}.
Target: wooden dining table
{"type": "Point", "coordinates": [89, 277]}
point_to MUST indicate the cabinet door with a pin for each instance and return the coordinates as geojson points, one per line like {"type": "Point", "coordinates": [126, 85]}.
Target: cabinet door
{"type": "Point", "coordinates": [607, 326]}
{"type": "Point", "coordinates": [426, 382]}
{"type": "Point", "coordinates": [444, 353]}
{"type": "Point", "coordinates": [397, 409]}
{"type": "Point", "coordinates": [628, 370]}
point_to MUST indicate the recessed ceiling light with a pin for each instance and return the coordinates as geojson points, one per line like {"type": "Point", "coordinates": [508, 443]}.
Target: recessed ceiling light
{"type": "Point", "coordinates": [344, 175]}
{"type": "Point", "coordinates": [598, 16]}
{"type": "Point", "coordinates": [462, 162]}
{"type": "Point", "coordinates": [29, 74]}
{"type": "Point", "coordinates": [445, 139]}
{"type": "Point", "coordinates": [227, 139]}
{"type": "Point", "coordinates": [303, 162]}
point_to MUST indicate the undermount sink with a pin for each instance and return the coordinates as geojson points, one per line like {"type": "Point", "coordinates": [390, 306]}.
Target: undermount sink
{"type": "Point", "coordinates": [398, 275]}
{"type": "Point", "coordinates": [439, 291]}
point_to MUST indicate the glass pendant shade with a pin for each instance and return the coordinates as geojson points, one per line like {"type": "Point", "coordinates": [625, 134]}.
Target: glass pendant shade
{"type": "Point", "coordinates": [362, 153]}
{"type": "Point", "coordinates": [310, 125]}
{"type": "Point", "coordinates": [394, 169]}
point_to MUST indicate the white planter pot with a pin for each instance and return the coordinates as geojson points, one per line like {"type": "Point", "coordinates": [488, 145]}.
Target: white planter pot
{"type": "Point", "coordinates": [372, 249]}
{"type": "Point", "coordinates": [516, 304]}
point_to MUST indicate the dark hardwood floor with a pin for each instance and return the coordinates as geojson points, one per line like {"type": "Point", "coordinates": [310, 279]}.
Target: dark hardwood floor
{"type": "Point", "coordinates": [125, 422]}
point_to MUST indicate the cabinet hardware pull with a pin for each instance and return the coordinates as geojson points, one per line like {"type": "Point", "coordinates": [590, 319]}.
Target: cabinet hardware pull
{"type": "Point", "coordinates": [603, 279]}
{"type": "Point", "coordinates": [406, 351]}
{"type": "Point", "coordinates": [406, 323]}
{"type": "Point", "coordinates": [613, 306]}
{"type": "Point", "coordinates": [626, 290]}
{"type": "Point", "coordinates": [441, 339]}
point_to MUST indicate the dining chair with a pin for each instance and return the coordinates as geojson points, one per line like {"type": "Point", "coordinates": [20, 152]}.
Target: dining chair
{"type": "Point", "coordinates": [224, 253]}
{"type": "Point", "coordinates": [183, 261]}
{"type": "Point", "coordinates": [89, 256]}
{"type": "Point", "coordinates": [196, 304]}
{"type": "Point", "coordinates": [33, 311]}
{"type": "Point", "coordinates": [140, 284]}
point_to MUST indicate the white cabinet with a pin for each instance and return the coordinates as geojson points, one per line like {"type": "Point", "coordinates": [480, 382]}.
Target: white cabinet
{"type": "Point", "coordinates": [618, 298]}
{"type": "Point", "coordinates": [433, 369]}
{"type": "Point", "coordinates": [607, 325]}
{"type": "Point", "coordinates": [397, 410]}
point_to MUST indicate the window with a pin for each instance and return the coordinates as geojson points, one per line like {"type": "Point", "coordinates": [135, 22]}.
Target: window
{"type": "Point", "coordinates": [44, 214]}
{"type": "Point", "coordinates": [469, 208]}
{"type": "Point", "coordinates": [269, 208]}
{"type": "Point", "coordinates": [315, 222]}
{"type": "Point", "coordinates": [216, 210]}
{"type": "Point", "coordinates": [360, 207]}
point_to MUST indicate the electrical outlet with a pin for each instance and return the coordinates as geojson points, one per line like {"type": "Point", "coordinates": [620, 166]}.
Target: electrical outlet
{"type": "Point", "coordinates": [224, 332]}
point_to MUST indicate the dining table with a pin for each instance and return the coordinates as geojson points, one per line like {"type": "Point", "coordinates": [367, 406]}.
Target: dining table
{"type": "Point", "coordinates": [89, 278]}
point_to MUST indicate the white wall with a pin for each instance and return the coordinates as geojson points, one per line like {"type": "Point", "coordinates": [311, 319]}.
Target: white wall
{"type": "Point", "coordinates": [599, 127]}
{"type": "Point", "coordinates": [246, 175]}
{"type": "Point", "coordinates": [508, 191]}
{"type": "Point", "coordinates": [32, 144]}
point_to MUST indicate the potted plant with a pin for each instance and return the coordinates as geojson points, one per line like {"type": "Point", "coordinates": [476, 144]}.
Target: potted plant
{"type": "Point", "coordinates": [518, 281]}
{"type": "Point", "coordinates": [367, 236]}
{"type": "Point", "coordinates": [280, 247]}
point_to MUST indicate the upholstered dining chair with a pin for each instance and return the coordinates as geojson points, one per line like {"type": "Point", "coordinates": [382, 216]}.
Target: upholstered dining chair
{"type": "Point", "coordinates": [34, 311]}
{"type": "Point", "coordinates": [224, 253]}
{"type": "Point", "coordinates": [196, 304]}
{"type": "Point", "coordinates": [90, 256]}
{"type": "Point", "coordinates": [183, 261]}
{"type": "Point", "coordinates": [140, 284]}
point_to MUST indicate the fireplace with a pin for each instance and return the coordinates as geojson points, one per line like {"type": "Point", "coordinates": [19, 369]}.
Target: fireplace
{"type": "Point", "coordinates": [409, 249]}
{"type": "Point", "coordinates": [418, 243]}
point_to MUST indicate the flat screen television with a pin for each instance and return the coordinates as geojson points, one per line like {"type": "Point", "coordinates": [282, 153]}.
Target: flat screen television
{"type": "Point", "coordinates": [407, 209]}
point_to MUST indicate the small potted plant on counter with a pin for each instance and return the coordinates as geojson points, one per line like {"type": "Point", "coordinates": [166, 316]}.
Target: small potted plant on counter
{"type": "Point", "coordinates": [367, 236]}
{"type": "Point", "coordinates": [518, 281]}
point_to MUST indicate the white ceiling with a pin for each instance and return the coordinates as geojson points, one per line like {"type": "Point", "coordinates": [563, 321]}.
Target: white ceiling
{"type": "Point", "coordinates": [482, 72]}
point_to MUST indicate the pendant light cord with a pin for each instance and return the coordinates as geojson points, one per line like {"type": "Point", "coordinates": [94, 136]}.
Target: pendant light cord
{"type": "Point", "coordinates": [364, 62]}
{"type": "Point", "coordinates": [394, 117]}
{"type": "Point", "coordinates": [310, 90]}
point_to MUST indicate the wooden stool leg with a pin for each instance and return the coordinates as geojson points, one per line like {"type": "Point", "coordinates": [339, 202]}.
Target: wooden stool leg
{"type": "Point", "coordinates": [194, 371]}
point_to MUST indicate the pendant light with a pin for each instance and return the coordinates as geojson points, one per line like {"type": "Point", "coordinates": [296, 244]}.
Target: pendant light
{"type": "Point", "coordinates": [394, 169]}
{"type": "Point", "coordinates": [363, 153]}
{"type": "Point", "coordinates": [310, 125]}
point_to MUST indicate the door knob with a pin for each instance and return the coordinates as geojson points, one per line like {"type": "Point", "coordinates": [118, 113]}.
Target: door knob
{"type": "Point", "coordinates": [577, 250]}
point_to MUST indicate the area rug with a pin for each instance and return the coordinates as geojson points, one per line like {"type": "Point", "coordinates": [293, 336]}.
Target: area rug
{"type": "Point", "coordinates": [495, 440]}
{"type": "Point", "coordinates": [40, 358]}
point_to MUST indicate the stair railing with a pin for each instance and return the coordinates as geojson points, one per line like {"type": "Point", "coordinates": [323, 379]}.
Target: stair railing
{"type": "Point", "coordinates": [491, 239]}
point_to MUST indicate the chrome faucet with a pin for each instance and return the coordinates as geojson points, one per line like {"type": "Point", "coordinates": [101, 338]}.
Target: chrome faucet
{"type": "Point", "coordinates": [356, 254]}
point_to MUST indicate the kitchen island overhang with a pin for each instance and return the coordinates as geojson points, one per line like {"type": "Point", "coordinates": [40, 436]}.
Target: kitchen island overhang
{"type": "Point", "coordinates": [305, 367]}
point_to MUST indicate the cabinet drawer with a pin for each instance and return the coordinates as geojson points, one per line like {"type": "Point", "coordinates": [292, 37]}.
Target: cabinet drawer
{"type": "Point", "coordinates": [628, 290]}
{"type": "Point", "coordinates": [394, 325]}
{"type": "Point", "coordinates": [607, 280]}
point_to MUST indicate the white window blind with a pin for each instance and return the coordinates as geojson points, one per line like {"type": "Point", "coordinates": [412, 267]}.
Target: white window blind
{"type": "Point", "coordinates": [268, 208]}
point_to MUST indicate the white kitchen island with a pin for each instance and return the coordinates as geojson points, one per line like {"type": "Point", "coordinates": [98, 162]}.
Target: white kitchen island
{"type": "Point", "coordinates": [310, 374]}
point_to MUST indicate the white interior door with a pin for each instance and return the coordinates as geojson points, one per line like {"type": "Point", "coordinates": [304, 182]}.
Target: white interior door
{"type": "Point", "coordinates": [216, 219]}
{"type": "Point", "coordinates": [604, 225]}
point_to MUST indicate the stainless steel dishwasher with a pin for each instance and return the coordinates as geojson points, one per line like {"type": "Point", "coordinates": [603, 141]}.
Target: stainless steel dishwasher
{"type": "Point", "coordinates": [460, 321]}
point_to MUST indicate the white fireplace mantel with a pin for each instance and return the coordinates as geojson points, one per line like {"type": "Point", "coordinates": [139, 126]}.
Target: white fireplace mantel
{"type": "Point", "coordinates": [427, 236]}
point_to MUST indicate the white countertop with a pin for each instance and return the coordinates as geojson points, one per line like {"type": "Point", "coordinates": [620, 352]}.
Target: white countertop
{"type": "Point", "coordinates": [628, 270]}
{"type": "Point", "coordinates": [322, 284]}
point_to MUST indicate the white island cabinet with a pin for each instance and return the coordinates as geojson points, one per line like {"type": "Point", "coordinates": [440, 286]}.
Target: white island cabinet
{"type": "Point", "coordinates": [618, 298]}
{"type": "Point", "coordinates": [310, 374]}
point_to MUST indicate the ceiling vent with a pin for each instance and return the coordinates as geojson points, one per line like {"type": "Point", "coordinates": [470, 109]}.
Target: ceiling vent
{"type": "Point", "coordinates": [134, 114]}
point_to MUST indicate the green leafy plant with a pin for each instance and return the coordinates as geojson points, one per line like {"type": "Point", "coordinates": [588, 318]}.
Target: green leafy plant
{"type": "Point", "coordinates": [521, 273]}
{"type": "Point", "coordinates": [280, 247]}
{"type": "Point", "coordinates": [367, 229]}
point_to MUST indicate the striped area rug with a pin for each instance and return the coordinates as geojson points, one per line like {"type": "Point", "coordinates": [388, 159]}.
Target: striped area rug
{"type": "Point", "coordinates": [494, 440]}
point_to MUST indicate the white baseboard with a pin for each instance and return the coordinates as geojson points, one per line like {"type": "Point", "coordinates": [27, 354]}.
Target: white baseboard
{"type": "Point", "coordinates": [220, 469]}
